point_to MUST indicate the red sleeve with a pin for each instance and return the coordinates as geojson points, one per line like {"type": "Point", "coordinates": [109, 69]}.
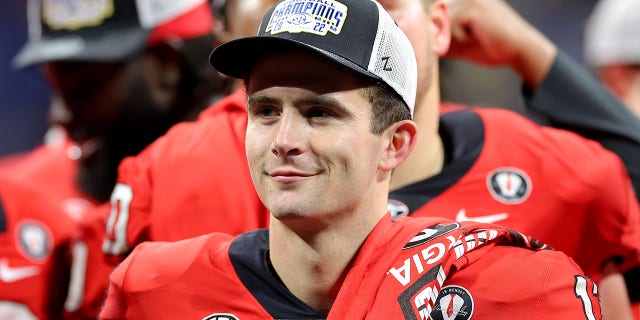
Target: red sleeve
{"type": "Point", "coordinates": [613, 213]}
{"type": "Point", "coordinates": [128, 220]}
{"type": "Point", "coordinates": [509, 283]}
{"type": "Point", "coordinates": [115, 305]}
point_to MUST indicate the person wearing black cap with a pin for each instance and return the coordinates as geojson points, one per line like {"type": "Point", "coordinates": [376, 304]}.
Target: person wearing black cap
{"type": "Point", "coordinates": [331, 91]}
{"type": "Point", "coordinates": [125, 71]}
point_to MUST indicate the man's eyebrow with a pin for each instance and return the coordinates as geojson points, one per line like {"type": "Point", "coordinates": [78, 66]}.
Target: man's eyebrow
{"type": "Point", "coordinates": [320, 101]}
{"type": "Point", "coordinates": [260, 99]}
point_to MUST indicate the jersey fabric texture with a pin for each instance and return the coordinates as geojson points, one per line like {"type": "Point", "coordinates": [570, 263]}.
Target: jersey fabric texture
{"type": "Point", "coordinates": [49, 168]}
{"type": "Point", "coordinates": [407, 269]}
{"type": "Point", "coordinates": [192, 181]}
{"type": "Point", "coordinates": [548, 183]}
{"type": "Point", "coordinates": [42, 258]}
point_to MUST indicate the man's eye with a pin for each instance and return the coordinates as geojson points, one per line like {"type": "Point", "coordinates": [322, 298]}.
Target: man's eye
{"type": "Point", "coordinates": [265, 112]}
{"type": "Point", "coordinates": [319, 113]}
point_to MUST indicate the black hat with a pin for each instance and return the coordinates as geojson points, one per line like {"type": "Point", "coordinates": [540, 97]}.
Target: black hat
{"type": "Point", "coordinates": [107, 30]}
{"type": "Point", "coordinates": [358, 34]}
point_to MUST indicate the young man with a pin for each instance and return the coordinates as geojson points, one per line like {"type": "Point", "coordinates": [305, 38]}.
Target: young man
{"type": "Point", "coordinates": [125, 73]}
{"type": "Point", "coordinates": [196, 166]}
{"type": "Point", "coordinates": [321, 153]}
{"type": "Point", "coordinates": [493, 165]}
{"type": "Point", "coordinates": [158, 204]}
{"type": "Point", "coordinates": [611, 49]}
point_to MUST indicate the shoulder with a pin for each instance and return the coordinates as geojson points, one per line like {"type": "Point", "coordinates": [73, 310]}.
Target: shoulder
{"type": "Point", "coordinates": [512, 280]}
{"type": "Point", "coordinates": [584, 159]}
{"type": "Point", "coordinates": [154, 264]}
{"type": "Point", "coordinates": [219, 130]}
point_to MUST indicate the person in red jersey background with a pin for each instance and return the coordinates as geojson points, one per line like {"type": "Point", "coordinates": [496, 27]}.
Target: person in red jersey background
{"type": "Point", "coordinates": [495, 166]}
{"type": "Point", "coordinates": [124, 72]}
{"type": "Point", "coordinates": [163, 192]}
{"type": "Point", "coordinates": [321, 153]}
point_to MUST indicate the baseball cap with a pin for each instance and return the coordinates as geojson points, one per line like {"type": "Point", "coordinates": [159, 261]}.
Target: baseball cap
{"type": "Point", "coordinates": [358, 34]}
{"type": "Point", "coordinates": [107, 30]}
{"type": "Point", "coordinates": [612, 33]}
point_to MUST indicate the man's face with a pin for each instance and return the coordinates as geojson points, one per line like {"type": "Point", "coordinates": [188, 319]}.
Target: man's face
{"type": "Point", "coordinates": [309, 141]}
{"type": "Point", "coordinates": [112, 115]}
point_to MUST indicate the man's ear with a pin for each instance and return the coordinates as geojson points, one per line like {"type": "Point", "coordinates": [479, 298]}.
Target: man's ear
{"type": "Point", "coordinates": [402, 137]}
{"type": "Point", "coordinates": [440, 26]}
{"type": "Point", "coordinates": [163, 71]}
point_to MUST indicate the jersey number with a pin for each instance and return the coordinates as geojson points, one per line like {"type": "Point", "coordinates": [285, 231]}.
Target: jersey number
{"type": "Point", "coordinates": [116, 239]}
{"type": "Point", "coordinates": [588, 297]}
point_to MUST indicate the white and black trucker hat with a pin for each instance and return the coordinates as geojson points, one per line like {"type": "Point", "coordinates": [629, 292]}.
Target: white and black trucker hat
{"type": "Point", "coordinates": [358, 34]}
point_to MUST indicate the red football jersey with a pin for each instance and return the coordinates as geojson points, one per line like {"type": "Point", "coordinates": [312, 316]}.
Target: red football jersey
{"type": "Point", "coordinates": [50, 167]}
{"type": "Point", "coordinates": [42, 257]}
{"type": "Point", "coordinates": [192, 181]}
{"type": "Point", "coordinates": [551, 184]}
{"type": "Point", "coordinates": [51, 200]}
{"type": "Point", "coordinates": [408, 269]}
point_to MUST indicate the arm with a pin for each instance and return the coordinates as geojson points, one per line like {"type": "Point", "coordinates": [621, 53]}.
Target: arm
{"type": "Point", "coordinates": [572, 99]}
{"type": "Point", "coordinates": [491, 33]}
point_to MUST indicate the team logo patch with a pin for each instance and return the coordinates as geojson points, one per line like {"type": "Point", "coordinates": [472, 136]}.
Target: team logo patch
{"type": "Point", "coordinates": [75, 14]}
{"type": "Point", "coordinates": [221, 316]}
{"type": "Point", "coordinates": [509, 185]}
{"type": "Point", "coordinates": [397, 209]}
{"type": "Point", "coordinates": [312, 16]}
{"type": "Point", "coordinates": [34, 239]}
{"type": "Point", "coordinates": [453, 303]}
{"type": "Point", "coordinates": [430, 233]}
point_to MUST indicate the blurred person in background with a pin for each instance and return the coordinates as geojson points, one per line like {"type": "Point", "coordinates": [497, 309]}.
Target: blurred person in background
{"type": "Point", "coordinates": [612, 50]}
{"type": "Point", "coordinates": [167, 191]}
{"type": "Point", "coordinates": [125, 72]}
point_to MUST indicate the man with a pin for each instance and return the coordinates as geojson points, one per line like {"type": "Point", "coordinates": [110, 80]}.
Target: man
{"type": "Point", "coordinates": [142, 211]}
{"type": "Point", "coordinates": [125, 71]}
{"type": "Point", "coordinates": [492, 165]}
{"type": "Point", "coordinates": [611, 49]}
{"type": "Point", "coordinates": [611, 38]}
{"type": "Point", "coordinates": [321, 153]}
{"type": "Point", "coordinates": [198, 165]}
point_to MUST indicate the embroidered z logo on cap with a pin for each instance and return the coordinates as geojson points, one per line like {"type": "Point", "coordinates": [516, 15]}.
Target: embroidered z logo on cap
{"type": "Point", "coordinates": [311, 16]}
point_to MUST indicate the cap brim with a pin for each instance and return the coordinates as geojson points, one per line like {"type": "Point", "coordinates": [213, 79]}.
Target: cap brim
{"type": "Point", "coordinates": [237, 57]}
{"type": "Point", "coordinates": [114, 46]}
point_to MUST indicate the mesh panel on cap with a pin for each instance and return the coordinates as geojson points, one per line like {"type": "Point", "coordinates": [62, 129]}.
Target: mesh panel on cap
{"type": "Point", "coordinates": [393, 60]}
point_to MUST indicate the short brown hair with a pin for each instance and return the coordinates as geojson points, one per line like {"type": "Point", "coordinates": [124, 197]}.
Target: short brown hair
{"type": "Point", "coordinates": [386, 105]}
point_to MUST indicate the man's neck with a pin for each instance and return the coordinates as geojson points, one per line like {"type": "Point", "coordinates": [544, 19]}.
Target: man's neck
{"type": "Point", "coordinates": [313, 265]}
{"type": "Point", "coordinates": [427, 158]}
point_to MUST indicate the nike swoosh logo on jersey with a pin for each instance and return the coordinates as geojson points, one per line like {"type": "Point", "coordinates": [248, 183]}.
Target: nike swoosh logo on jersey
{"type": "Point", "coordinates": [8, 274]}
{"type": "Point", "coordinates": [490, 218]}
